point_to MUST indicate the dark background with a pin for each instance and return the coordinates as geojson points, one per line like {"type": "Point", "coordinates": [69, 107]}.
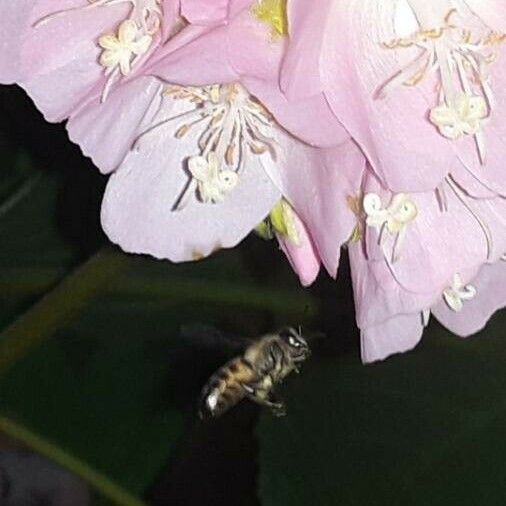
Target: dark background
{"type": "Point", "coordinates": [112, 367]}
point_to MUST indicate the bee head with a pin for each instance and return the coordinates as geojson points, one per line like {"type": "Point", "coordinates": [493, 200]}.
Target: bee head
{"type": "Point", "coordinates": [296, 345]}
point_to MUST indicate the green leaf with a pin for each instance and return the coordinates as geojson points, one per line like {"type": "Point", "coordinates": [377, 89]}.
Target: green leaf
{"type": "Point", "coordinates": [422, 428]}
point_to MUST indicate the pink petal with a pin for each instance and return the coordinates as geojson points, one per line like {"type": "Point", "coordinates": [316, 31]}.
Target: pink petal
{"type": "Point", "coordinates": [251, 49]}
{"type": "Point", "coordinates": [397, 335]}
{"type": "Point", "coordinates": [491, 296]}
{"type": "Point", "coordinates": [137, 212]}
{"type": "Point", "coordinates": [378, 296]}
{"type": "Point", "coordinates": [199, 56]}
{"type": "Point", "coordinates": [236, 7]}
{"type": "Point", "coordinates": [293, 115]}
{"type": "Point", "coordinates": [106, 131]}
{"type": "Point", "coordinates": [302, 257]}
{"type": "Point", "coordinates": [60, 57]}
{"type": "Point", "coordinates": [473, 186]}
{"type": "Point", "coordinates": [14, 19]}
{"type": "Point", "coordinates": [301, 68]}
{"type": "Point", "coordinates": [492, 12]}
{"type": "Point", "coordinates": [203, 12]}
{"type": "Point", "coordinates": [195, 57]}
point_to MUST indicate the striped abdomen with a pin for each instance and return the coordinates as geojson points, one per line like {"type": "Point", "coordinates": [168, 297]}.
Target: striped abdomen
{"type": "Point", "coordinates": [224, 389]}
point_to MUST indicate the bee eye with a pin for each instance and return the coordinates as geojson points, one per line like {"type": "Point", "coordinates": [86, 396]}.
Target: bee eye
{"type": "Point", "coordinates": [293, 342]}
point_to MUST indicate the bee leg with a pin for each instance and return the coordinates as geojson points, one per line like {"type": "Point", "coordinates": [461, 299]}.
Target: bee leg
{"type": "Point", "coordinates": [279, 411]}
{"type": "Point", "coordinates": [265, 398]}
{"type": "Point", "coordinates": [277, 406]}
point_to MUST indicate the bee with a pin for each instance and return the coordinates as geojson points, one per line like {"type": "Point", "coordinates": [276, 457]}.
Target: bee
{"type": "Point", "coordinates": [255, 373]}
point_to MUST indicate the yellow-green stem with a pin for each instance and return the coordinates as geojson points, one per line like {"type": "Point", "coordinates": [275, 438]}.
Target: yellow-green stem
{"type": "Point", "coordinates": [59, 305]}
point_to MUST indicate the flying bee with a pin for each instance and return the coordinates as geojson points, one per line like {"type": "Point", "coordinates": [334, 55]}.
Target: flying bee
{"type": "Point", "coordinates": [254, 374]}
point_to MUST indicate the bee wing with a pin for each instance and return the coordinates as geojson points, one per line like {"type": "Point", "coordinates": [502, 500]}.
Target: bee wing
{"type": "Point", "coordinates": [207, 337]}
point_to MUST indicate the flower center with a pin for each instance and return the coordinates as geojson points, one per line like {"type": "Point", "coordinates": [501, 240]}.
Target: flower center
{"type": "Point", "coordinates": [461, 61]}
{"type": "Point", "coordinates": [229, 125]}
{"type": "Point", "coordinates": [272, 12]}
{"type": "Point", "coordinates": [282, 221]}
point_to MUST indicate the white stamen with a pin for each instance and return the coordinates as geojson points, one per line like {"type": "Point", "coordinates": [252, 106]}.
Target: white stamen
{"type": "Point", "coordinates": [119, 50]}
{"type": "Point", "coordinates": [462, 117]}
{"type": "Point", "coordinates": [393, 219]}
{"type": "Point", "coordinates": [458, 293]}
{"type": "Point", "coordinates": [213, 184]}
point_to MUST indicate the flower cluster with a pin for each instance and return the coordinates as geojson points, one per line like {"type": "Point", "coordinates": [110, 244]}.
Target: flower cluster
{"type": "Point", "coordinates": [377, 126]}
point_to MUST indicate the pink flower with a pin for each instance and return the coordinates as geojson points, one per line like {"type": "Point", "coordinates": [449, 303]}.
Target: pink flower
{"type": "Point", "coordinates": [419, 253]}
{"type": "Point", "coordinates": [210, 162]}
{"type": "Point", "coordinates": [419, 84]}
{"type": "Point", "coordinates": [375, 126]}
